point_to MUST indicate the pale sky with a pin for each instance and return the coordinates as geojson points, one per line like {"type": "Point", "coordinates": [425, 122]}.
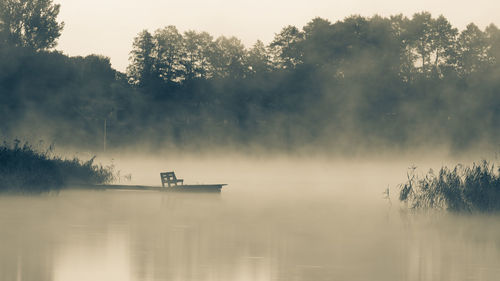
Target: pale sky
{"type": "Point", "coordinates": [107, 27]}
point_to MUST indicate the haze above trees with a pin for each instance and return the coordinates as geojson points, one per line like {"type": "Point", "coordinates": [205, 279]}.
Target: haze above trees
{"type": "Point", "coordinates": [359, 82]}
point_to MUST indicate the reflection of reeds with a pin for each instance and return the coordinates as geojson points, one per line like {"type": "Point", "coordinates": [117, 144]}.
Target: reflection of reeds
{"type": "Point", "coordinates": [470, 189]}
{"type": "Point", "coordinates": [26, 169]}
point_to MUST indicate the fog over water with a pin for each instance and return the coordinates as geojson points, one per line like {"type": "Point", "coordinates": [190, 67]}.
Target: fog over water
{"type": "Point", "coordinates": [278, 219]}
{"type": "Point", "coordinates": [313, 129]}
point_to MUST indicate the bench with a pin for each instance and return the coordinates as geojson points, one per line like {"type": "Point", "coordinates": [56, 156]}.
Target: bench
{"type": "Point", "coordinates": [170, 179]}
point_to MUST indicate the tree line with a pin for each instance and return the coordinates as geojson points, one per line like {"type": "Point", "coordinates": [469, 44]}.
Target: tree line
{"type": "Point", "coordinates": [358, 82]}
{"type": "Point", "coordinates": [421, 46]}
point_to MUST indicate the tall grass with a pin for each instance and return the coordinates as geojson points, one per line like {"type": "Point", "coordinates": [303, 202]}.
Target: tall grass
{"type": "Point", "coordinates": [26, 169]}
{"type": "Point", "coordinates": [473, 188]}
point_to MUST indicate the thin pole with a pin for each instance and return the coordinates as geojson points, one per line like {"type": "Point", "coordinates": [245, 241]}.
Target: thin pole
{"type": "Point", "coordinates": [104, 135]}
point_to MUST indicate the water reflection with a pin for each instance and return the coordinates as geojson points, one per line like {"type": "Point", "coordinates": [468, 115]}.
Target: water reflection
{"type": "Point", "coordinates": [239, 235]}
{"type": "Point", "coordinates": [95, 256]}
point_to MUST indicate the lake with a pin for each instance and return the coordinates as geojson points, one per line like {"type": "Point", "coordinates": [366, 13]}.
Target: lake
{"type": "Point", "coordinates": [276, 220]}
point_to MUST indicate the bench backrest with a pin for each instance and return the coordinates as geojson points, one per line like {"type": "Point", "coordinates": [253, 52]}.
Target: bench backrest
{"type": "Point", "coordinates": [169, 178]}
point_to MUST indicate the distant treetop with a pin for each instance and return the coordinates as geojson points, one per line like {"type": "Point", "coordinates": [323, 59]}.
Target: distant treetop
{"type": "Point", "coordinates": [30, 23]}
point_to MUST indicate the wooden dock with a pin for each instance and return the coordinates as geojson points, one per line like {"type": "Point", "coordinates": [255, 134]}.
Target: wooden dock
{"type": "Point", "coordinates": [178, 188]}
{"type": "Point", "coordinates": [169, 182]}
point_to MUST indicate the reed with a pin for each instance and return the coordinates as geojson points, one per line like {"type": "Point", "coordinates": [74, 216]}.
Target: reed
{"type": "Point", "coordinates": [473, 188]}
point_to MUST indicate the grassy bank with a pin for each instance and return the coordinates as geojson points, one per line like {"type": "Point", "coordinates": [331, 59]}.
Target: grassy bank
{"type": "Point", "coordinates": [473, 188]}
{"type": "Point", "coordinates": [26, 169]}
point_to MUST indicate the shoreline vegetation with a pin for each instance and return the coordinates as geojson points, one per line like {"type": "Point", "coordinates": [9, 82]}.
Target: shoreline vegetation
{"type": "Point", "coordinates": [26, 169]}
{"type": "Point", "coordinates": [461, 189]}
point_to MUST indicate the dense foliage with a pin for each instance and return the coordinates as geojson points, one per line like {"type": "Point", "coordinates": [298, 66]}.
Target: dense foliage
{"type": "Point", "coordinates": [30, 23]}
{"type": "Point", "coordinates": [461, 189]}
{"type": "Point", "coordinates": [358, 82]}
{"type": "Point", "coordinates": [26, 169]}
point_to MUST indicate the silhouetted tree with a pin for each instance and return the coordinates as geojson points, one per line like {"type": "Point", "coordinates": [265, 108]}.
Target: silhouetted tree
{"type": "Point", "coordinates": [227, 58]}
{"type": "Point", "coordinates": [420, 34]}
{"type": "Point", "coordinates": [407, 57]}
{"type": "Point", "coordinates": [169, 53]}
{"type": "Point", "coordinates": [197, 50]}
{"type": "Point", "coordinates": [493, 37]}
{"type": "Point", "coordinates": [444, 38]}
{"type": "Point", "coordinates": [318, 46]}
{"type": "Point", "coordinates": [472, 50]}
{"type": "Point", "coordinates": [286, 47]}
{"type": "Point", "coordinates": [30, 23]}
{"type": "Point", "coordinates": [143, 69]}
{"type": "Point", "coordinates": [258, 59]}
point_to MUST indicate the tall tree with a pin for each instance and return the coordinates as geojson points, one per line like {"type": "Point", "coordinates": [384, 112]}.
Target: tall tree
{"type": "Point", "coordinates": [169, 53]}
{"type": "Point", "coordinates": [258, 59]}
{"type": "Point", "coordinates": [228, 57]}
{"type": "Point", "coordinates": [142, 70]}
{"type": "Point", "coordinates": [317, 44]}
{"type": "Point", "coordinates": [433, 41]}
{"type": "Point", "coordinates": [493, 37]}
{"type": "Point", "coordinates": [407, 56]}
{"type": "Point", "coordinates": [472, 50]}
{"type": "Point", "coordinates": [286, 47]}
{"type": "Point", "coordinates": [444, 37]}
{"type": "Point", "coordinates": [420, 32]}
{"type": "Point", "coordinates": [30, 23]}
{"type": "Point", "coordinates": [197, 49]}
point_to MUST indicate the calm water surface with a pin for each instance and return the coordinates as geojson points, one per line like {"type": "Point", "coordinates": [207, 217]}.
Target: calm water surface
{"type": "Point", "coordinates": [273, 222]}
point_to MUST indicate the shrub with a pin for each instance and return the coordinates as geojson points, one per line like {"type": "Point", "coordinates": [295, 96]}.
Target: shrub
{"type": "Point", "coordinates": [26, 169]}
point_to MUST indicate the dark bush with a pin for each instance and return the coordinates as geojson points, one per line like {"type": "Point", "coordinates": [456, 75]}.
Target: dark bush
{"type": "Point", "coordinates": [26, 169]}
